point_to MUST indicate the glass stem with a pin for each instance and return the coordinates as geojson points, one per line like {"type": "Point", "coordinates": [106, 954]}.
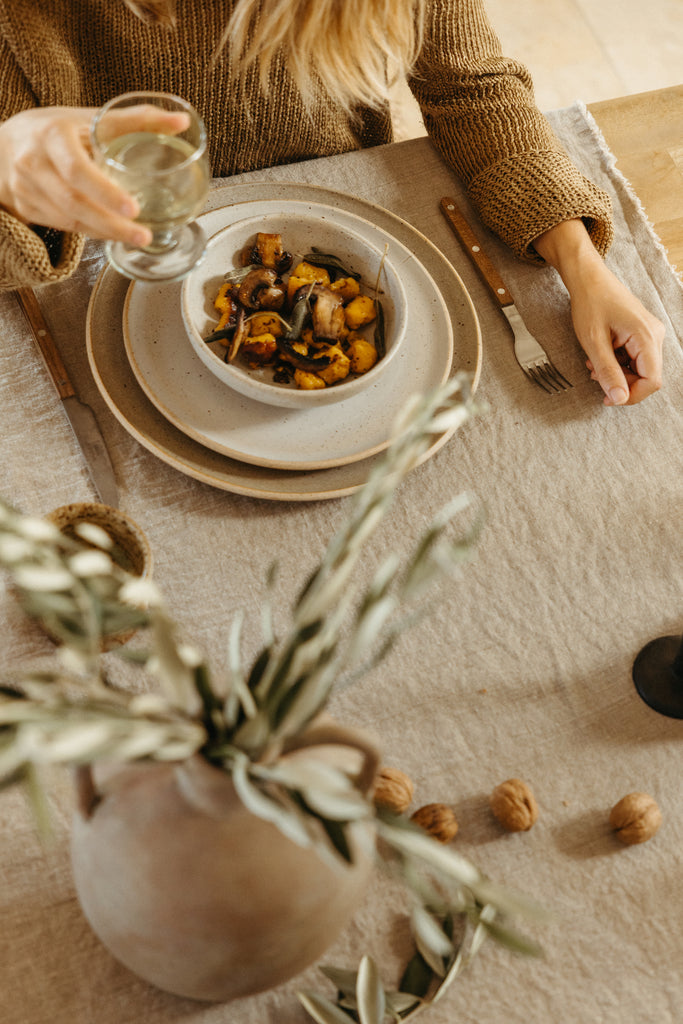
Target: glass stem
{"type": "Point", "coordinates": [162, 241]}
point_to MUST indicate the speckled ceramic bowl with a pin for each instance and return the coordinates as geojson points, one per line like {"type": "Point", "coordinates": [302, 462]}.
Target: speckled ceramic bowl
{"type": "Point", "coordinates": [311, 227]}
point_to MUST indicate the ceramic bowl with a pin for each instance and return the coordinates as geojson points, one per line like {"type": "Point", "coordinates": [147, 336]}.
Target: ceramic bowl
{"type": "Point", "coordinates": [130, 547]}
{"type": "Point", "coordinates": [313, 227]}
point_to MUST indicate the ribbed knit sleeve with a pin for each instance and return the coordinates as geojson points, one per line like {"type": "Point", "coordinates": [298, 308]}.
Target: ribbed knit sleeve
{"type": "Point", "coordinates": [25, 259]}
{"type": "Point", "coordinates": [479, 110]}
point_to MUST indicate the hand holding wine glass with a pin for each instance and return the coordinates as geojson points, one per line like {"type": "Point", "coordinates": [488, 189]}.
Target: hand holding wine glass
{"type": "Point", "coordinates": [48, 176]}
{"type": "Point", "coordinates": [153, 146]}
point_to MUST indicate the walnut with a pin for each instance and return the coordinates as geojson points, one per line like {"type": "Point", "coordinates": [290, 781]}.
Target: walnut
{"type": "Point", "coordinates": [393, 790]}
{"type": "Point", "coordinates": [514, 805]}
{"type": "Point", "coordinates": [437, 819]}
{"type": "Point", "coordinates": [636, 818]}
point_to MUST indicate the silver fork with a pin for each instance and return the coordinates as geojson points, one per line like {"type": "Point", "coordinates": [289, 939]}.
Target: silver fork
{"type": "Point", "coordinates": [531, 356]}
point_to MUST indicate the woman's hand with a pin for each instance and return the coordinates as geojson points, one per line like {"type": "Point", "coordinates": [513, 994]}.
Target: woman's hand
{"type": "Point", "coordinates": [622, 340]}
{"type": "Point", "coordinates": [48, 176]}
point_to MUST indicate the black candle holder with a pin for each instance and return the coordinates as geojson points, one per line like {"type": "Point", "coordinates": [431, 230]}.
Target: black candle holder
{"type": "Point", "coordinates": [658, 675]}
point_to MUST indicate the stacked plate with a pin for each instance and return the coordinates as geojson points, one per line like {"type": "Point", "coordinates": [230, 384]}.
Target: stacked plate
{"type": "Point", "coordinates": [163, 394]}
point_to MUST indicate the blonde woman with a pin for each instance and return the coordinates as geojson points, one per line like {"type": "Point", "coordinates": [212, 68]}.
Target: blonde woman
{"type": "Point", "coordinates": [278, 81]}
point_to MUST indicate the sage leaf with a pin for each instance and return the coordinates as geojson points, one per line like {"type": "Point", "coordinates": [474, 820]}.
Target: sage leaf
{"type": "Point", "coordinates": [330, 262]}
{"type": "Point", "coordinates": [379, 336]}
{"type": "Point", "coordinates": [238, 275]}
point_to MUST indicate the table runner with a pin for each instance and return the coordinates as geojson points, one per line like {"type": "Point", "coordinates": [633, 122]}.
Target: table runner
{"type": "Point", "coordinates": [522, 668]}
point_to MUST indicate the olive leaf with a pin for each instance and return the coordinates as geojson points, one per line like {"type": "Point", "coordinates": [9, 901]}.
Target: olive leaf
{"type": "Point", "coordinates": [345, 981]}
{"type": "Point", "coordinates": [433, 945]}
{"type": "Point", "coordinates": [321, 1009]}
{"type": "Point", "coordinates": [325, 789]}
{"type": "Point", "coordinates": [370, 993]}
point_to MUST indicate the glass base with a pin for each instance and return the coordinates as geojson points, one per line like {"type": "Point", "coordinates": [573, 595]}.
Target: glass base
{"type": "Point", "coordinates": [657, 675]}
{"type": "Point", "coordinates": [172, 264]}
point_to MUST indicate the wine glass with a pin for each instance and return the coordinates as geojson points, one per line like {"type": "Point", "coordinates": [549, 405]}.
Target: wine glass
{"type": "Point", "coordinates": [658, 675]}
{"type": "Point", "coordinates": [167, 172]}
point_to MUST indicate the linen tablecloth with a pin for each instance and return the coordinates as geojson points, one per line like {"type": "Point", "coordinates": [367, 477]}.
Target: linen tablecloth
{"type": "Point", "coordinates": [522, 668]}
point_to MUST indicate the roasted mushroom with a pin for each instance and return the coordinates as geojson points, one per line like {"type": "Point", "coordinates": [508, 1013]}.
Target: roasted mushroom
{"type": "Point", "coordinates": [261, 289]}
{"type": "Point", "coordinates": [268, 251]}
{"type": "Point", "coordinates": [328, 313]}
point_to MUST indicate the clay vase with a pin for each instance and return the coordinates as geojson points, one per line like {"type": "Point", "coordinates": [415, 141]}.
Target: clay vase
{"type": "Point", "coordinates": [197, 895]}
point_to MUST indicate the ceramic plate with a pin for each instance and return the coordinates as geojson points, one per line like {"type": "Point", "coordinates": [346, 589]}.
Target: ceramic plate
{"type": "Point", "coordinates": [205, 408]}
{"type": "Point", "coordinates": [129, 404]}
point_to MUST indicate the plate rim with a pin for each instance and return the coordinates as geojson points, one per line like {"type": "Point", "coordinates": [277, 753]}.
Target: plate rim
{"type": "Point", "coordinates": [276, 485]}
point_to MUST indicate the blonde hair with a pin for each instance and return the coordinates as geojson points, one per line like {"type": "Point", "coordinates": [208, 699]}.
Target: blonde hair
{"type": "Point", "coordinates": [156, 12]}
{"type": "Point", "coordinates": [344, 46]}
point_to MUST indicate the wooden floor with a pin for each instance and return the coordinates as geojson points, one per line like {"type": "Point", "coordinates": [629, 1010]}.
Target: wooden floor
{"type": "Point", "coordinates": [582, 49]}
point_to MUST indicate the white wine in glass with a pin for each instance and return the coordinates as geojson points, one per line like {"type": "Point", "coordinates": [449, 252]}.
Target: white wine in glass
{"type": "Point", "coordinates": [165, 167]}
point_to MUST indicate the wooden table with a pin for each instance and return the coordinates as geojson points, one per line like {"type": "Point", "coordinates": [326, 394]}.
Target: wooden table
{"type": "Point", "coordinates": [645, 132]}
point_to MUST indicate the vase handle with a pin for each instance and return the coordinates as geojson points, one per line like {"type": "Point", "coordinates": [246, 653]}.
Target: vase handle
{"type": "Point", "coordinates": [87, 797]}
{"type": "Point", "coordinates": [333, 734]}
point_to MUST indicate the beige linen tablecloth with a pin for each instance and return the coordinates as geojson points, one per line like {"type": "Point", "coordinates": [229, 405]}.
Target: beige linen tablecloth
{"type": "Point", "coordinates": [522, 668]}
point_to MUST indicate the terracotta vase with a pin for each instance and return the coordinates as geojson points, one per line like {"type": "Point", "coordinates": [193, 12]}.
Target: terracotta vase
{"type": "Point", "coordinates": [197, 895]}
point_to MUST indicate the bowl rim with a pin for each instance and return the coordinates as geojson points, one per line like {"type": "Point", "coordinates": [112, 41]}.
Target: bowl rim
{"type": "Point", "coordinates": [273, 393]}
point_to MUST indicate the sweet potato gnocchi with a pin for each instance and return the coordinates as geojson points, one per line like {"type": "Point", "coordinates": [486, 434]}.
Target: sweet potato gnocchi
{"type": "Point", "coordinates": [308, 318]}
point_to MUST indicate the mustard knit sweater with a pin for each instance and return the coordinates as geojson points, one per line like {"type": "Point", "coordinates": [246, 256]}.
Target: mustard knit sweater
{"type": "Point", "coordinates": [478, 108]}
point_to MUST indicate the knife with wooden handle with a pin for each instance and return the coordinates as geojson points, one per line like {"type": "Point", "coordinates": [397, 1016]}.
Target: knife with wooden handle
{"type": "Point", "coordinates": [80, 416]}
{"type": "Point", "coordinates": [482, 264]}
{"type": "Point", "coordinates": [529, 352]}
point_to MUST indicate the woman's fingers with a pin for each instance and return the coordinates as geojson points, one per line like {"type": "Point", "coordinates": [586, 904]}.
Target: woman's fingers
{"type": "Point", "coordinates": [632, 371]}
{"type": "Point", "coordinates": [48, 176]}
{"type": "Point", "coordinates": [606, 370]}
{"type": "Point", "coordinates": [77, 213]}
{"type": "Point", "coordinates": [83, 198]}
{"type": "Point", "coordinates": [81, 176]}
{"type": "Point", "coordinates": [143, 117]}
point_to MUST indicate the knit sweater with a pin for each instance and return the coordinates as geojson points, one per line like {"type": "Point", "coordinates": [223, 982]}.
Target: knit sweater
{"type": "Point", "coordinates": [477, 105]}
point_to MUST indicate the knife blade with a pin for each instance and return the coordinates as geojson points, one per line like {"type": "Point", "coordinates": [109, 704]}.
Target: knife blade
{"type": "Point", "coordinates": [81, 417]}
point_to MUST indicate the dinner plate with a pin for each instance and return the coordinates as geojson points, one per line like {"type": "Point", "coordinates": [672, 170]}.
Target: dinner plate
{"type": "Point", "coordinates": [198, 403]}
{"type": "Point", "coordinates": [129, 404]}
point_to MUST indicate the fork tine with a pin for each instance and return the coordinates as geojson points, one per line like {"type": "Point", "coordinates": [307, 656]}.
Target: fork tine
{"type": "Point", "coordinates": [534, 374]}
{"type": "Point", "coordinates": [545, 369]}
{"type": "Point", "coordinates": [560, 377]}
{"type": "Point", "coordinates": [551, 375]}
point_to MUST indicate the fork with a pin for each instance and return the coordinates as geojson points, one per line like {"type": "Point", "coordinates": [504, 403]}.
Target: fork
{"type": "Point", "coordinates": [531, 356]}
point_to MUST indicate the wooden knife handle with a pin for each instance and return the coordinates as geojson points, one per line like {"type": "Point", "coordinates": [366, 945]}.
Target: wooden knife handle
{"type": "Point", "coordinates": [470, 242]}
{"type": "Point", "coordinates": [45, 342]}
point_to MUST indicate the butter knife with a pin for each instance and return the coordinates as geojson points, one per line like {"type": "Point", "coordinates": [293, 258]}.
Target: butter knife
{"type": "Point", "coordinates": [529, 353]}
{"type": "Point", "coordinates": [80, 416]}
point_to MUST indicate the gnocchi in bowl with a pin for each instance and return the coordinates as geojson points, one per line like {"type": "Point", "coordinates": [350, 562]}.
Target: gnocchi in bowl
{"type": "Point", "coordinates": [295, 310]}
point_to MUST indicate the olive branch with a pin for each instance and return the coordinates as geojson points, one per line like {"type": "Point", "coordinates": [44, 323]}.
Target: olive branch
{"type": "Point", "coordinates": [71, 714]}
